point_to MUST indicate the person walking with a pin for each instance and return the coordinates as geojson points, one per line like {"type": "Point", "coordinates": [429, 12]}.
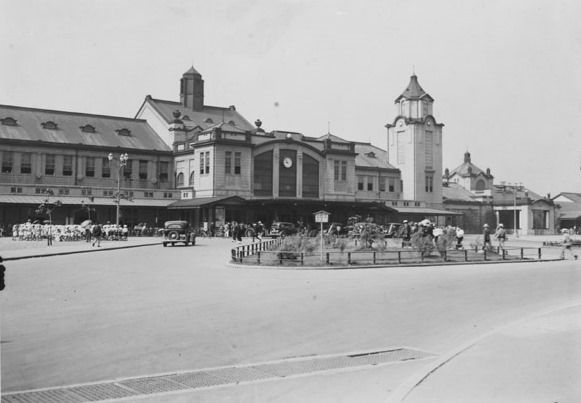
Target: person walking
{"type": "Point", "coordinates": [487, 245]}
{"type": "Point", "coordinates": [567, 244]}
{"type": "Point", "coordinates": [459, 238]}
{"type": "Point", "coordinates": [500, 235]}
{"type": "Point", "coordinates": [96, 232]}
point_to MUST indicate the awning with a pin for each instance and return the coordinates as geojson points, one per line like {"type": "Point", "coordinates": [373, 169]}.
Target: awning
{"type": "Point", "coordinates": [206, 201]}
{"type": "Point", "coordinates": [78, 201]}
{"type": "Point", "coordinates": [570, 215]}
{"type": "Point", "coordinates": [427, 211]}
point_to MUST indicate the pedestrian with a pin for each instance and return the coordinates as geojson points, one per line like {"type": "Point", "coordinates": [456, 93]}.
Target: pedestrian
{"type": "Point", "coordinates": [500, 235]}
{"type": "Point", "coordinates": [2, 271]}
{"type": "Point", "coordinates": [567, 243]}
{"type": "Point", "coordinates": [96, 232]}
{"type": "Point", "coordinates": [487, 246]}
{"type": "Point", "coordinates": [459, 238]}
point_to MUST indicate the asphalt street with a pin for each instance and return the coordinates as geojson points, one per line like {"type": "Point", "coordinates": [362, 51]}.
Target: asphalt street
{"type": "Point", "coordinates": [95, 317]}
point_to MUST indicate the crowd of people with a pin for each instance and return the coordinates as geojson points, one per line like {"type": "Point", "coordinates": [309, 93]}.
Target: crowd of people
{"type": "Point", "coordinates": [30, 231]}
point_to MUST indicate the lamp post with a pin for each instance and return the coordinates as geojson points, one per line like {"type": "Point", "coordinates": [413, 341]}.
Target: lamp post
{"type": "Point", "coordinates": [123, 158]}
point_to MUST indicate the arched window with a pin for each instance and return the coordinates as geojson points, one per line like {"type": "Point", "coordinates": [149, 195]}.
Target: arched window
{"type": "Point", "coordinates": [180, 179]}
{"type": "Point", "coordinates": [191, 179]}
{"type": "Point", "coordinates": [480, 184]}
{"type": "Point", "coordinates": [263, 174]}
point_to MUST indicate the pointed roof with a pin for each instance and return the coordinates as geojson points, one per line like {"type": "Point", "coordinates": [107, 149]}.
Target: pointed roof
{"type": "Point", "coordinates": [192, 71]}
{"type": "Point", "coordinates": [333, 138]}
{"type": "Point", "coordinates": [414, 91]}
{"type": "Point", "coordinates": [468, 168]}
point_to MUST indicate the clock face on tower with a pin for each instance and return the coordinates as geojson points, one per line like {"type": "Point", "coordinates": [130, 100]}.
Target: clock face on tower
{"type": "Point", "coordinates": [287, 162]}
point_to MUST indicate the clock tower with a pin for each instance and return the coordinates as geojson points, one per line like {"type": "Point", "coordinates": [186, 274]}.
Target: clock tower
{"type": "Point", "coordinates": [414, 144]}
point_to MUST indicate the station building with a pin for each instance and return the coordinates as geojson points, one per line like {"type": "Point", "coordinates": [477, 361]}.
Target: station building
{"type": "Point", "coordinates": [210, 165]}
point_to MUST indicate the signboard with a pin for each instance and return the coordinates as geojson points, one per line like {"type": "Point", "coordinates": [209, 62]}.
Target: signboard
{"type": "Point", "coordinates": [322, 216]}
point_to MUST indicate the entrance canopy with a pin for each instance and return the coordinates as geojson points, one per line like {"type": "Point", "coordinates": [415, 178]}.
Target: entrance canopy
{"type": "Point", "coordinates": [200, 202]}
{"type": "Point", "coordinates": [426, 211]}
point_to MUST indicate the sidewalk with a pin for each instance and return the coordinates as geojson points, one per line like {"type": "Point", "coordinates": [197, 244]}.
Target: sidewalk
{"type": "Point", "coordinates": [14, 250]}
{"type": "Point", "coordinates": [533, 360]}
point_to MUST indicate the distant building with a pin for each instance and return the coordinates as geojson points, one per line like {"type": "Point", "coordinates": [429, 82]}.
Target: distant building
{"type": "Point", "coordinates": [56, 155]}
{"type": "Point", "coordinates": [569, 212]}
{"type": "Point", "coordinates": [471, 190]}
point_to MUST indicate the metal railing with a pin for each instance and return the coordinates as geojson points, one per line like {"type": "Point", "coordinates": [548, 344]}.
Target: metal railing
{"type": "Point", "coordinates": [262, 253]}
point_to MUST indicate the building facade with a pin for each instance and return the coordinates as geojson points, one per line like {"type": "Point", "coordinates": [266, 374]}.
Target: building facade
{"type": "Point", "coordinates": [55, 156]}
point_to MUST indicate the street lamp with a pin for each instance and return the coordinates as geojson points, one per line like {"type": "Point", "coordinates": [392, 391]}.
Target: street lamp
{"type": "Point", "coordinates": [123, 158]}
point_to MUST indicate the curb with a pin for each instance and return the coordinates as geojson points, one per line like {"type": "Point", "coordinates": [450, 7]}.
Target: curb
{"type": "Point", "coordinates": [388, 266]}
{"type": "Point", "coordinates": [74, 252]}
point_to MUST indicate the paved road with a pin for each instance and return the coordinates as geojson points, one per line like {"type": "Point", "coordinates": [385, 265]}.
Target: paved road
{"type": "Point", "coordinates": [101, 316]}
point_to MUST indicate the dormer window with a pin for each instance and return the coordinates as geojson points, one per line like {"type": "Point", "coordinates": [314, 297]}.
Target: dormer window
{"type": "Point", "coordinates": [123, 132]}
{"type": "Point", "coordinates": [186, 117]}
{"type": "Point", "coordinates": [371, 154]}
{"type": "Point", "coordinates": [87, 129]}
{"type": "Point", "coordinates": [8, 121]}
{"type": "Point", "coordinates": [232, 123]}
{"type": "Point", "coordinates": [50, 125]}
{"type": "Point", "coordinates": [208, 120]}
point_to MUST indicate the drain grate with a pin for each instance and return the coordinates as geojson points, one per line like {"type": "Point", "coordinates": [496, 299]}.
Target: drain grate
{"type": "Point", "coordinates": [212, 377]}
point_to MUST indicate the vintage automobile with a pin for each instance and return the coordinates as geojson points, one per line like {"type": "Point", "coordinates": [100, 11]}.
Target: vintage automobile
{"type": "Point", "coordinates": [176, 232]}
{"type": "Point", "coordinates": [282, 229]}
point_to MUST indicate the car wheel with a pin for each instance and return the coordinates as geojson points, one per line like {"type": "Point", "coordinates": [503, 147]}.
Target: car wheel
{"type": "Point", "coordinates": [165, 244]}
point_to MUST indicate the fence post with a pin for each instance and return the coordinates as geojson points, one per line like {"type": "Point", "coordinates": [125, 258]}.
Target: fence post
{"type": "Point", "coordinates": [465, 255]}
{"type": "Point", "coordinates": [485, 254]}
{"type": "Point", "coordinates": [328, 257]}
{"type": "Point", "coordinates": [258, 258]}
{"type": "Point", "coordinates": [539, 253]}
{"type": "Point", "coordinates": [399, 256]}
{"type": "Point", "coordinates": [374, 257]}
{"type": "Point", "coordinates": [503, 254]}
{"type": "Point", "coordinates": [348, 257]}
{"type": "Point", "coordinates": [445, 256]}
{"type": "Point", "coordinates": [522, 253]}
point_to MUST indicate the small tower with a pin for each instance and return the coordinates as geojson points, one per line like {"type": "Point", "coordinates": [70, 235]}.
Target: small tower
{"type": "Point", "coordinates": [192, 90]}
{"type": "Point", "coordinates": [177, 130]}
{"type": "Point", "coordinates": [414, 144]}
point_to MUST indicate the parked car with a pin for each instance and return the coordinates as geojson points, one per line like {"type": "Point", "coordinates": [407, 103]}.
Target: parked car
{"type": "Point", "coordinates": [282, 229]}
{"type": "Point", "coordinates": [176, 232]}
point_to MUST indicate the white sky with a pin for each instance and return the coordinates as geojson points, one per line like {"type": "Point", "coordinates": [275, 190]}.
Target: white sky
{"type": "Point", "coordinates": [505, 74]}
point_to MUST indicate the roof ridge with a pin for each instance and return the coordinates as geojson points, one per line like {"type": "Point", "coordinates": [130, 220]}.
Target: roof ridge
{"type": "Point", "coordinates": [26, 108]}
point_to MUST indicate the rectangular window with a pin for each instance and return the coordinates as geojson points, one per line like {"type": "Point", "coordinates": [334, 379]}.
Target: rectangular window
{"type": "Point", "coordinates": [15, 189]}
{"type": "Point", "coordinates": [64, 191]}
{"type": "Point", "coordinates": [68, 165]}
{"type": "Point", "coordinates": [86, 192]}
{"type": "Point", "coordinates": [7, 161]}
{"type": "Point", "coordinates": [142, 169]}
{"type": "Point", "coordinates": [382, 180]}
{"type": "Point", "coordinates": [202, 163]}
{"type": "Point", "coordinates": [429, 148]}
{"type": "Point", "coordinates": [90, 167]}
{"type": "Point", "coordinates": [49, 164]}
{"type": "Point", "coordinates": [336, 170]}
{"type": "Point", "coordinates": [128, 169]}
{"type": "Point", "coordinates": [207, 171]}
{"type": "Point", "coordinates": [237, 163]}
{"type": "Point", "coordinates": [228, 162]}
{"type": "Point", "coordinates": [391, 185]}
{"type": "Point", "coordinates": [106, 168]}
{"type": "Point", "coordinates": [148, 194]}
{"type": "Point", "coordinates": [25, 163]}
{"type": "Point", "coordinates": [429, 183]}
{"type": "Point", "coordinates": [369, 183]}
{"type": "Point", "coordinates": [340, 170]}
{"type": "Point", "coordinates": [163, 171]}
{"type": "Point", "coordinates": [360, 184]}
{"type": "Point", "coordinates": [343, 171]}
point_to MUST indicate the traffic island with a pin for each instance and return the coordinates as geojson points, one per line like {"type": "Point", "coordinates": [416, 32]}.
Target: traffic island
{"type": "Point", "coordinates": [277, 253]}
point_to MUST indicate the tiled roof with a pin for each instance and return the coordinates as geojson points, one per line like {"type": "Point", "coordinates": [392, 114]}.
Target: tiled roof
{"type": "Point", "coordinates": [455, 192]}
{"type": "Point", "coordinates": [463, 170]}
{"type": "Point", "coordinates": [574, 197]}
{"type": "Point", "coordinates": [333, 138]}
{"type": "Point", "coordinates": [414, 90]}
{"type": "Point", "coordinates": [371, 156]}
{"type": "Point", "coordinates": [31, 125]}
{"type": "Point", "coordinates": [209, 116]}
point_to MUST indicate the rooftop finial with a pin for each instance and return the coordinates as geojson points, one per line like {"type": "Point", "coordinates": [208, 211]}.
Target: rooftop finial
{"type": "Point", "coordinates": [413, 69]}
